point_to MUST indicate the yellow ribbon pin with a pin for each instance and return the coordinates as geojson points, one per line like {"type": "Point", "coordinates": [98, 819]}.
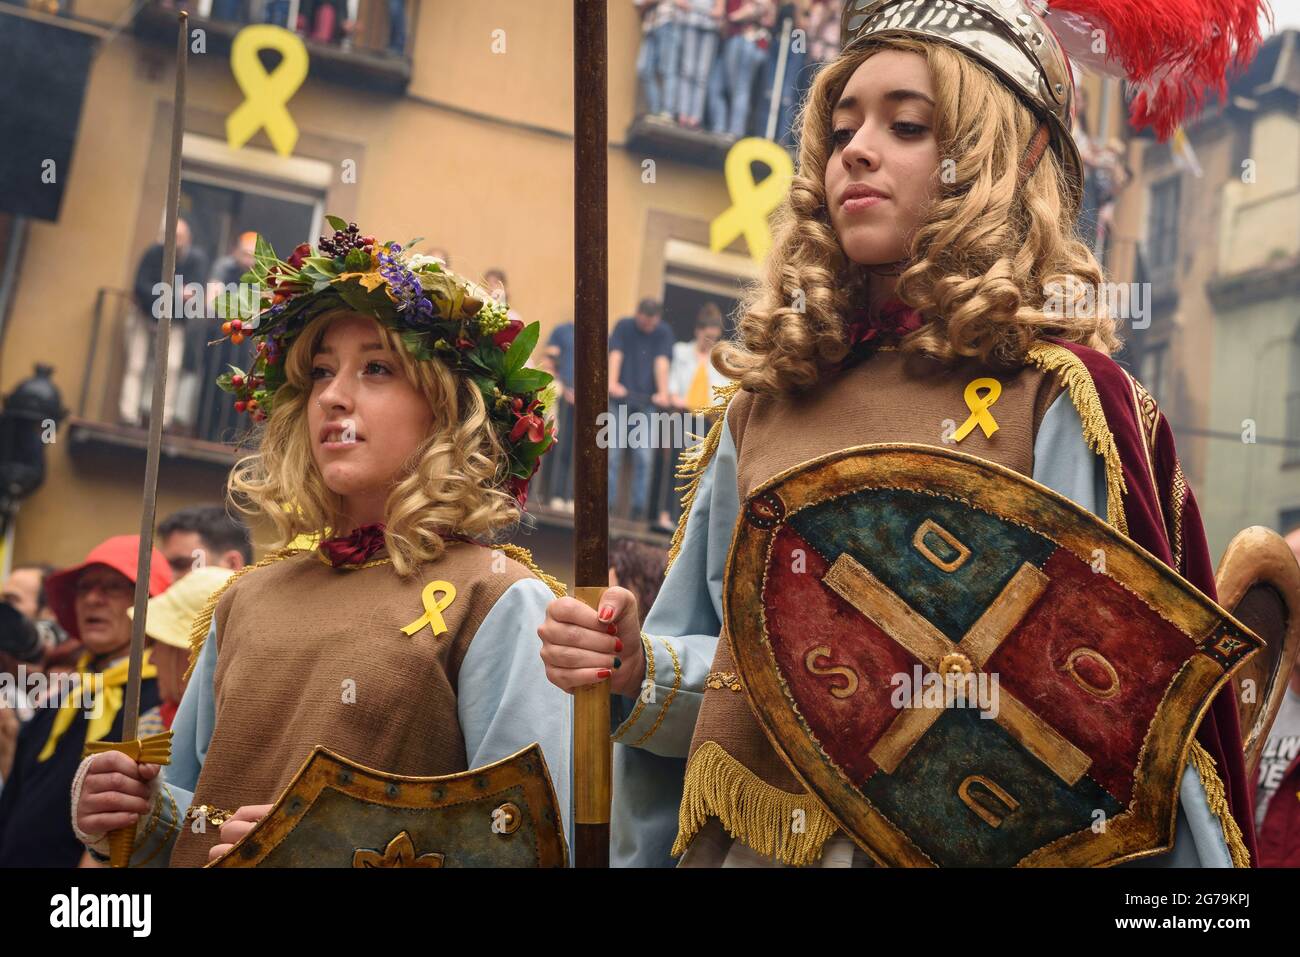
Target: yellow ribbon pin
{"type": "Point", "coordinates": [752, 203]}
{"type": "Point", "coordinates": [266, 94]}
{"type": "Point", "coordinates": [979, 408]}
{"type": "Point", "coordinates": [433, 609]}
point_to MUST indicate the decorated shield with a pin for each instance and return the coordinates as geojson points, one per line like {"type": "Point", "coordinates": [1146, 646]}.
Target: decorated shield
{"type": "Point", "coordinates": [966, 668]}
{"type": "Point", "coordinates": [335, 813]}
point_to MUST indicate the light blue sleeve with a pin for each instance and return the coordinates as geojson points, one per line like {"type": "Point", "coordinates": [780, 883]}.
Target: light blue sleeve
{"type": "Point", "coordinates": [1064, 463]}
{"type": "Point", "coordinates": [653, 732]}
{"type": "Point", "coordinates": [191, 733]}
{"type": "Point", "coordinates": [504, 700]}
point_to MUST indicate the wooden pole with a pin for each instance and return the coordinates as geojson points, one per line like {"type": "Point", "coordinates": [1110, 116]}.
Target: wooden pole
{"type": "Point", "coordinates": [592, 751]}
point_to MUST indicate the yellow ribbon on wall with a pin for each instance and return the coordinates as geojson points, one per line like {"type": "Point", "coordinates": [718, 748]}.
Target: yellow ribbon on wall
{"type": "Point", "coordinates": [433, 609]}
{"type": "Point", "coordinates": [111, 695]}
{"type": "Point", "coordinates": [979, 408]}
{"type": "Point", "coordinates": [266, 94]}
{"type": "Point", "coordinates": [752, 203]}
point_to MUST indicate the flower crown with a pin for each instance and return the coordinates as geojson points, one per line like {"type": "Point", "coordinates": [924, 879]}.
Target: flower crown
{"type": "Point", "coordinates": [435, 312]}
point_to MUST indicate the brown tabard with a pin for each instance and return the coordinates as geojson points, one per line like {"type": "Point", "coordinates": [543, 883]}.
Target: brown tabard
{"type": "Point", "coordinates": [308, 654]}
{"type": "Point", "coordinates": [888, 398]}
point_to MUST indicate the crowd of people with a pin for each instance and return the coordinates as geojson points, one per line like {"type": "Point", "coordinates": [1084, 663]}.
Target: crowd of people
{"type": "Point", "coordinates": [650, 372]}
{"type": "Point", "coordinates": [379, 25]}
{"type": "Point", "coordinates": [718, 64]}
{"type": "Point", "coordinates": [63, 691]}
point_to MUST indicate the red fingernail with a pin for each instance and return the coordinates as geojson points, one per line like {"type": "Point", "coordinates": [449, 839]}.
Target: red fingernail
{"type": "Point", "coordinates": [611, 629]}
{"type": "Point", "coordinates": [618, 644]}
{"type": "Point", "coordinates": [606, 612]}
{"type": "Point", "coordinates": [602, 674]}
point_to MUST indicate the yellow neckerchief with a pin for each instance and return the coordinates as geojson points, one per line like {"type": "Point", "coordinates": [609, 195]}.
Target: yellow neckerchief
{"type": "Point", "coordinates": [697, 395]}
{"type": "Point", "coordinates": [114, 680]}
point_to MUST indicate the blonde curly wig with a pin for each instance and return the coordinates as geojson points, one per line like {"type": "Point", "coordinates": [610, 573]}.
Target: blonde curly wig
{"type": "Point", "coordinates": [981, 263]}
{"type": "Point", "coordinates": [452, 482]}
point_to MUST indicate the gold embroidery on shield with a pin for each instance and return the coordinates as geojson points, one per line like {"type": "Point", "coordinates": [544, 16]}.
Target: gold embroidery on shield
{"type": "Point", "coordinates": [918, 542]}
{"type": "Point", "coordinates": [847, 673]}
{"type": "Point", "coordinates": [1094, 690]}
{"type": "Point", "coordinates": [989, 817]}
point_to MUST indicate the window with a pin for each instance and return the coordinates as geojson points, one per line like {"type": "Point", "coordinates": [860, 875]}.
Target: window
{"type": "Point", "coordinates": [1162, 225]}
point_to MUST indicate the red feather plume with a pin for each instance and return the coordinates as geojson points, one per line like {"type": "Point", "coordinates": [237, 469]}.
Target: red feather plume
{"type": "Point", "coordinates": [1174, 50]}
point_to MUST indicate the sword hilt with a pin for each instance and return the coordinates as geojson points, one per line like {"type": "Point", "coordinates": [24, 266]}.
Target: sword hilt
{"type": "Point", "coordinates": [152, 749]}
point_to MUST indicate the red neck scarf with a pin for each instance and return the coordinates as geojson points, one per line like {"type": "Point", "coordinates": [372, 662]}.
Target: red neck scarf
{"type": "Point", "coordinates": [358, 546]}
{"type": "Point", "coordinates": [868, 331]}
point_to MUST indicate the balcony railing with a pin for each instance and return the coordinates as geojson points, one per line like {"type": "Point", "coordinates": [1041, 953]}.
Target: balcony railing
{"type": "Point", "coordinates": [354, 43]}
{"type": "Point", "coordinates": [117, 386]}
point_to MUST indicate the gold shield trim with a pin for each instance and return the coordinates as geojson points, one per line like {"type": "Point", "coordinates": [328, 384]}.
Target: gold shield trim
{"type": "Point", "coordinates": [337, 813]}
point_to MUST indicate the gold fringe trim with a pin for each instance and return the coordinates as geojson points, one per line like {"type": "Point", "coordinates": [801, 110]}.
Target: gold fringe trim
{"type": "Point", "coordinates": [695, 461]}
{"type": "Point", "coordinates": [199, 630]}
{"type": "Point", "coordinates": [750, 809]}
{"type": "Point", "coordinates": [524, 557]}
{"type": "Point", "coordinates": [1074, 375]}
{"type": "Point", "coordinates": [1218, 801]}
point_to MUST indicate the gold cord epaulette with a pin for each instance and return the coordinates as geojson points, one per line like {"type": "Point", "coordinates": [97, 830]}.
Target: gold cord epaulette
{"type": "Point", "coordinates": [789, 827]}
{"type": "Point", "coordinates": [1217, 798]}
{"type": "Point", "coordinates": [1074, 375]}
{"type": "Point", "coordinates": [199, 630]}
{"type": "Point", "coordinates": [524, 557]}
{"type": "Point", "coordinates": [695, 461]}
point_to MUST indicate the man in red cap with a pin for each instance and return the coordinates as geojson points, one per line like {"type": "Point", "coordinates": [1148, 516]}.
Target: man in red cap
{"type": "Point", "coordinates": [90, 601]}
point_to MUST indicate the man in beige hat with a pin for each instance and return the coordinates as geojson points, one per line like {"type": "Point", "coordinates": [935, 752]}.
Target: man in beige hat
{"type": "Point", "coordinates": [167, 624]}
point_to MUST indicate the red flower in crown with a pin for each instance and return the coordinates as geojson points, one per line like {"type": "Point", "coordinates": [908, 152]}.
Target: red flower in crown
{"type": "Point", "coordinates": [508, 334]}
{"type": "Point", "coordinates": [299, 255]}
{"type": "Point", "coordinates": [527, 421]}
{"type": "Point", "coordinates": [355, 547]}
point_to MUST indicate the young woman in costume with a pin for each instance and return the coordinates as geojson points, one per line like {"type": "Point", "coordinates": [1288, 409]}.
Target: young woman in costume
{"type": "Point", "coordinates": [396, 408]}
{"type": "Point", "coordinates": [929, 225]}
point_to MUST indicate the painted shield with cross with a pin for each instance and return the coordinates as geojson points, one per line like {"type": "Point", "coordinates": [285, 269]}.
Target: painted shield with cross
{"type": "Point", "coordinates": [337, 813]}
{"type": "Point", "coordinates": [966, 668]}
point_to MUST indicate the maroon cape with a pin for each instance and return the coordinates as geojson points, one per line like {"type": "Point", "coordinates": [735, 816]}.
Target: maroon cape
{"type": "Point", "coordinates": [1163, 518]}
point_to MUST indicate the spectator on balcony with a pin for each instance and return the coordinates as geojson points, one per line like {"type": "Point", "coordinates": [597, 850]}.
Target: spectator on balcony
{"type": "Point", "coordinates": [141, 324]}
{"type": "Point", "coordinates": [745, 37]}
{"type": "Point", "coordinates": [277, 12]}
{"type": "Point", "coordinates": [557, 468]}
{"type": "Point", "coordinates": [656, 63]}
{"type": "Point", "coordinates": [324, 19]}
{"type": "Point", "coordinates": [639, 352]}
{"type": "Point", "coordinates": [214, 419]}
{"type": "Point", "coordinates": [823, 33]}
{"type": "Point", "coordinates": [233, 11]}
{"type": "Point", "coordinates": [796, 46]}
{"type": "Point", "coordinates": [691, 378]}
{"type": "Point", "coordinates": [397, 29]}
{"type": "Point", "coordinates": [700, 26]}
